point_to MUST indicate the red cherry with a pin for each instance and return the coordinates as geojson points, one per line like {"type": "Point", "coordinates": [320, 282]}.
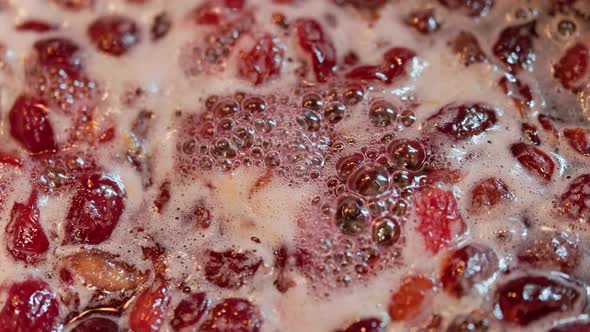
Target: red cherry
{"type": "Point", "coordinates": [464, 121]}
{"type": "Point", "coordinates": [114, 35]}
{"type": "Point", "coordinates": [29, 124]}
{"type": "Point", "coordinates": [525, 300]}
{"type": "Point", "coordinates": [437, 213]}
{"type": "Point", "coordinates": [423, 21]}
{"type": "Point", "coordinates": [547, 123]}
{"type": "Point", "coordinates": [151, 306]}
{"type": "Point", "coordinates": [466, 46]}
{"type": "Point", "coordinates": [30, 306]}
{"type": "Point", "coordinates": [26, 239]}
{"type": "Point", "coordinates": [233, 314]}
{"type": "Point", "coordinates": [366, 325]}
{"type": "Point", "coordinates": [533, 160]}
{"type": "Point", "coordinates": [407, 301]}
{"type": "Point", "coordinates": [263, 62]}
{"type": "Point", "coordinates": [189, 311]}
{"type": "Point", "coordinates": [96, 324]}
{"type": "Point", "coordinates": [579, 139]}
{"type": "Point", "coordinates": [59, 53]}
{"type": "Point", "coordinates": [35, 25]}
{"type": "Point", "coordinates": [318, 46]}
{"type": "Point", "coordinates": [214, 12]}
{"type": "Point", "coordinates": [470, 7]}
{"type": "Point", "coordinates": [466, 266]}
{"type": "Point", "coordinates": [95, 210]}
{"type": "Point", "coordinates": [518, 91]}
{"type": "Point", "coordinates": [550, 252]}
{"type": "Point", "coordinates": [490, 192]}
{"type": "Point", "coordinates": [572, 66]}
{"type": "Point", "coordinates": [515, 46]}
{"type": "Point", "coordinates": [395, 60]}
{"type": "Point", "coordinates": [575, 201]}
{"type": "Point", "coordinates": [231, 269]}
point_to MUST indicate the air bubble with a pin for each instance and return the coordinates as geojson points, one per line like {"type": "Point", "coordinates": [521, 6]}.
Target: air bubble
{"type": "Point", "coordinates": [243, 138]}
{"type": "Point", "coordinates": [312, 102]}
{"type": "Point", "coordinates": [386, 232]}
{"type": "Point", "coordinates": [402, 179]}
{"type": "Point", "coordinates": [407, 118]}
{"type": "Point", "coordinates": [188, 147]}
{"type": "Point", "coordinates": [255, 105]}
{"type": "Point", "coordinates": [353, 95]}
{"type": "Point", "coordinates": [409, 154]}
{"type": "Point", "coordinates": [309, 120]}
{"type": "Point", "coordinates": [369, 180]}
{"type": "Point", "coordinates": [351, 215]}
{"type": "Point", "coordinates": [224, 149]}
{"type": "Point", "coordinates": [334, 113]}
{"type": "Point", "coordinates": [226, 108]}
{"type": "Point", "coordinates": [346, 165]}
{"type": "Point", "coordinates": [272, 159]}
{"type": "Point", "coordinates": [566, 28]}
{"type": "Point", "coordinates": [382, 114]}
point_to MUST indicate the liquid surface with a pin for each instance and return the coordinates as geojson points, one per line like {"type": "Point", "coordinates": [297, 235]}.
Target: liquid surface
{"type": "Point", "coordinates": [286, 165]}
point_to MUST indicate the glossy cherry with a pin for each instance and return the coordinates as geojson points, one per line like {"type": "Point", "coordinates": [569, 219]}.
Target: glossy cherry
{"type": "Point", "coordinates": [30, 125]}
{"type": "Point", "coordinates": [95, 210]}
{"type": "Point", "coordinates": [189, 311]}
{"type": "Point", "coordinates": [150, 309]}
{"type": "Point", "coordinates": [515, 46]}
{"type": "Point", "coordinates": [317, 44]}
{"type": "Point", "coordinates": [30, 305]}
{"type": "Point", "coordinates": [231, 269]}
{"type": "Point", "coordinates": [233, 314]}
{"type": "Point", "coordinates": [263, 62]}
{"type": "Point", "coordinates": [25, 238]}
{"type": "Point", "coordinates": [114, 35]}
{"type": "Point", "coordinates": [463, 121]}
{"type": "Point", "coordinates": [463, 268]}
{"type": "Point", "coordinates": [533, 160]}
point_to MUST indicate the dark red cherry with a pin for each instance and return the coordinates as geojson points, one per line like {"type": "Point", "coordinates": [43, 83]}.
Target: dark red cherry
{"type": "Point", "coordinates": [464, 121]}
{"type": "Point", "coordinates": [263, 62]}
{"type": "Point", "coordinates": [189, 311]}
{"type": "Point", "coordinates": [424, 21]}
{"type": "Point", "coordinates": [233, 314]}
{"type": "Point", "coordinates": [575, 201]}
{"type": "Point", "coordinates": [552, 251]}
{"type": "Point", "coordinates": [59, 53]}
{"type": "Point", "coordinates": [515, 46]}
{"type": "Point", "coordinates": [231, 269]}
{"type": "Point", "coordinates": [533, 160]}
{"type": "Point", "coordinates": [317, 44]}
{"type": "Point", "coordinates": [572, 66]}
{"type": "Point", "coordinates": [579, 140]}
{"type": "Point", "coordinates": [25, 238]}
{"type": "Point", "coordinates": [114, 35]}
{"type": "Point", "coordinates": [30, 305]}
{"type": "Point", "coordinates": [96, 324]}
{"type": "Point", "coordinates": [466, 266]}
{"type": "Point", "coordinates": [95, 210]}
{"type": "Point", "coordinates": [489, 193]}
{"type": "Point", "coordinates": [527, 299]}
{"type": "Point", "coordinates": [30, 126]}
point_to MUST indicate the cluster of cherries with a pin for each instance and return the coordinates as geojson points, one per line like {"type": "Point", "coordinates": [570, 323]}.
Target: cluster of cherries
{"type": "Point", "coordinates": [368, 197]}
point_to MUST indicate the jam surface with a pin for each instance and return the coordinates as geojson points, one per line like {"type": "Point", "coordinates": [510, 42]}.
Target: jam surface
{"type": "Point", "coordinates": [294, 165]}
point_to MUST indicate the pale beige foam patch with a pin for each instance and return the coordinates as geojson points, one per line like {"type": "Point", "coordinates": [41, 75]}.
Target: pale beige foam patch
{"type": "Point", "coordinates": [252, 206]}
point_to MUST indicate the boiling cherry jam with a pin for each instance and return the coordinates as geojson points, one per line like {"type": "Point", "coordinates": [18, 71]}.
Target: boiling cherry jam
{"type": "Point", "coordinates": [294, 165]}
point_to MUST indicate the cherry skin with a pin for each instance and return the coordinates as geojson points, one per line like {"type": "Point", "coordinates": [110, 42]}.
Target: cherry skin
{"type": "Point", "coordinates": [26, 240]}
{"type": "Point", "coordinates": [30, 306]}
{"type": "Point", "coordinates": [30, 125]}
{"type": "Point", "coordinates": [527, 299]}
{"type": "Point", "coordinates": [114, 35]}
{"type": "Point", "coordinates": [95, 210]}
{"type": "Point", "coordinates": [233, 314]}
{"type": "Point", "coordinates": [317, 44]}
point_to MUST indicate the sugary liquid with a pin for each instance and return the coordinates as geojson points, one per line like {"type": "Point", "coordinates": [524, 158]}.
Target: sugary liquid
{"type": "Point", "coordinates": [297, 195]}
